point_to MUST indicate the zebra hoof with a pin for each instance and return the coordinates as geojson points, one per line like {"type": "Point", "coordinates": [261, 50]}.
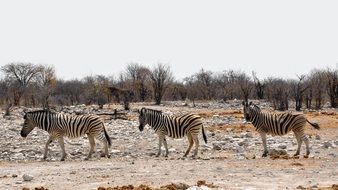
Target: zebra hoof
{"type": "Point", "coordinates": [296, 156]}
{"type": "Point", "coordinates": [306, 156]}
{"type": "Point", "coordinates": [62, 159]}
{"type": "Point", "coordinates": [264, 155]}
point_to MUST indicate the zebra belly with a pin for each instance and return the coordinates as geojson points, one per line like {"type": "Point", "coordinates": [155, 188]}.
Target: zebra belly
{"type": "Point", "coordinates": [175, 136]}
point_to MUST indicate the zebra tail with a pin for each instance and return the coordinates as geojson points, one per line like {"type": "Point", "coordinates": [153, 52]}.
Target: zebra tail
{"type": "Point", "coordinates": [315, 125]}
{"type": "Point", "coordinates": [107, 137]}
{"type": "Point", "coordinates": [204, 136]}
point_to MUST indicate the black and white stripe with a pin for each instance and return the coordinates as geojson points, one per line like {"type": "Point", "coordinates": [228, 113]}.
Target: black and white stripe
{"type": "Point", "coordinates": [175, 127]}
{"type": "Point", "coordinates": [60, 125]}
{"type": "Point", "coordinates": [278, 124]}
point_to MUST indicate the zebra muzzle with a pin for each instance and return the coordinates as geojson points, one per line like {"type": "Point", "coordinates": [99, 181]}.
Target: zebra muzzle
{"type": "Point", "coordinates": [23, 134]}
{"type": "Point", "coordinates": [141, 127]}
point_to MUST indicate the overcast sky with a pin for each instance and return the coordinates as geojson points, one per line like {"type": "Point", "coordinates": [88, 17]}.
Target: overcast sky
{"type": "Point", "coordinates": [273, 38]}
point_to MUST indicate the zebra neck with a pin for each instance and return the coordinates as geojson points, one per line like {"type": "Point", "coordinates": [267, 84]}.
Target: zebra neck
{"type": "Point", "coordinates": [257, 119]}
{"type": "Point", "coordinates": [44, 122]}
{"type": "Point", "coordinates": [155, 120]}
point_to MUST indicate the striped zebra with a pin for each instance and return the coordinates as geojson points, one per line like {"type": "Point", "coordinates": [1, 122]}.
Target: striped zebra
{"type": "Point", "coordinates": [278, 124]}
{"type": "Point", "coordinates": [175, 127]}
{"type": "Point", "coordinates": [59, 125]}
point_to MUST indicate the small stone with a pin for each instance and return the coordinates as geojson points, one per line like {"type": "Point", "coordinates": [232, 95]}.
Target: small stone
{"type": "Point", "coordinates": [241, 143]}
{"type": "Point", "coordinates": [216, 146]}
{"type": "Point", "coordinates": [282, 146]}
{"type": "Point", "coordinates": [27, 177]}
{"type": "Point", "coordinates": [327, 144]}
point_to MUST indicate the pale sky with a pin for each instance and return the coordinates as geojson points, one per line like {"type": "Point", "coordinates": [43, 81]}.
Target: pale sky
{"type": "Point", "coordinates": [80, 37]}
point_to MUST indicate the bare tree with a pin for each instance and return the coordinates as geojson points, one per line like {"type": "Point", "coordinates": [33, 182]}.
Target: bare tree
{"type": "Point", "coordinates": [96, 90]}
{"type": "Point", "coordinates": [69, 92]}
{"type": "Point", "coordinates": [176, 91]}
{"type": "Point", "coordinates": [46, 80]}
{"type": "Point", "coordinates": [22, 74]}
{"type": "Point", "coordinates": [161, 77]}
{"type": "Point", "coordinates": [122, 94]}
{"type": "Point", "coordinates": [204, 83]}
{"type": "Point", "coordinates": [245, 85]}
{"type": "Point", "coordinates": [192, 89]}
{"type": "Point", "coordinates": [140, 77]}
{"type": "Point", "coordinates": [298, 89]}
{"type": "Point", "coordinates": [317, 81]}
{"type": "Point", "coordinates": [259, 86]}
{"type": "Point", "coordinates": [5, 95]}
{"type": "Point", "coordinates": [277, 91]}
{"type": "Point", "coordinates": [332, 86]}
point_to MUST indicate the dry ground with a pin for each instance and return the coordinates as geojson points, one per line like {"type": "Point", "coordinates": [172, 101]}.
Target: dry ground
{"type": "Point", "coordinates": [225, 169]}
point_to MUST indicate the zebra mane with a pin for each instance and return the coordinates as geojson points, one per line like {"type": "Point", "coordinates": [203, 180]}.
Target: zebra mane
{"type": "Point", "coordinates": [255, 107]}
{"type": "Point", "coordinates": [151, 110]}
{"type": "Point", "coordinates": [41, 111]}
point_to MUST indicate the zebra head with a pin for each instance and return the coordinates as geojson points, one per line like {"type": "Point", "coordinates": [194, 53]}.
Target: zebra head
{"type": "Point", "coordinates": [250, 110]}
{"type": "Point", "coordinates": [142, 119]}
{"type": "Point", "coordinates": [28, 125]}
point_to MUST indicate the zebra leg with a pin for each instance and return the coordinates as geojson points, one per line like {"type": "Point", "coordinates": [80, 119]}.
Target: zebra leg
{"type": "Point", "coordinates": [299, 141]}
{"type": "Point", "coordinates": [191, 143]}
{"type": "Point", "coordinates": [306, 140]}
{"type": "Point", "coordinates": [105, 153]}
{"type": "Point", "coordinates": [50, 139]}
{"type": "Point", "coordinates": [195, 137]}
{"type": "Point", "coordinates": [166, 147]}
{"type": "Point", "coordinates": [265, 152]}
{"type": "Point", "coordinates": [160, 140]}
{"type": "Point", "coordinates": [62, 145]}
{"type": "Point", "coordinates": [92, 146]}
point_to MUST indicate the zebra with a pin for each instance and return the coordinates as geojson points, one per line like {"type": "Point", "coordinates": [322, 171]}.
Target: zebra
{"type": "Point", "coordinates": [59, 125]}
{"type": "Point", "coordinates": [175, 127]}
{"type": "Point", "coordinates": [278, 124]}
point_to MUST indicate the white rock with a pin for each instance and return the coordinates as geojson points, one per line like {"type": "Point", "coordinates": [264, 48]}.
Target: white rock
{"type": "Point", "coordinates": [199, 188]}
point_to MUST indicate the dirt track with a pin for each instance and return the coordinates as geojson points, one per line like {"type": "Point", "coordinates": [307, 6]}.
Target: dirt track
{"type": "Point", "coordinates": [224, 173]}
{"type": "Point", "coordinates": [233, 167]}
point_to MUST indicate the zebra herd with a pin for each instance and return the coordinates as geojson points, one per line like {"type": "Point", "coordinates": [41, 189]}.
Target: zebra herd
{"type": "Point", "coordinates": [62, 125]}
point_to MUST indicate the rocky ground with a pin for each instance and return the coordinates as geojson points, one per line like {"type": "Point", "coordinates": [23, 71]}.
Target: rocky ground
{"type": "Point", "coordinates": [231, 159]}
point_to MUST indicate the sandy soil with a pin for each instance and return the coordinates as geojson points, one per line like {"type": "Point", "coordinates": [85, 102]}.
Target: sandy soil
{"type": "Point", "coordinates": [225, 169]}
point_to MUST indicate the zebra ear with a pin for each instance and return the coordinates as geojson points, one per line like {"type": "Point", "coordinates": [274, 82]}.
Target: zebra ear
{"type": "Point", "coordinates": [24, 112]}
{"type": "Point", "coordinates": [140, 111]}
{"type": "Point", "coordinates": [245, 103]}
